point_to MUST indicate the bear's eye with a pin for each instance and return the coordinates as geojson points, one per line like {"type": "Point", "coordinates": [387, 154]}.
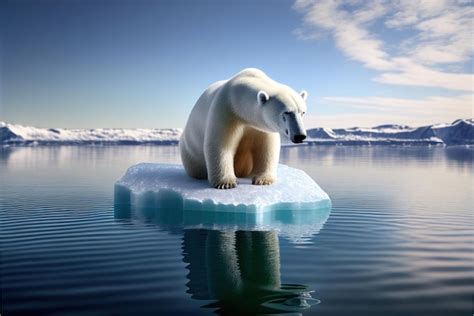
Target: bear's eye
{"type": "Point", "coordinates": [303, 113]}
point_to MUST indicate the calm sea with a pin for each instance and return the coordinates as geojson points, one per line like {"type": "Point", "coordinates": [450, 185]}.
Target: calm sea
{"type": "Point", "coordinates": [397, 241]}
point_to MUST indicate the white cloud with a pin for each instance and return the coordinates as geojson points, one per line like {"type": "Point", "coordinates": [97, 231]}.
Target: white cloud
{"type": "Point", "coordinates": [446, 38]}
{"type": "Point", "coordinates": [347, 29]}
{"type": "Point", "coordinates": [460, 106]}
{"type": "Point", "coordinates": [409, 12]}
{"type": "Point", "coordinates": [441, 33]}
{"type": "Point", "coordinates": [382, 110]}
{"type": "Point", "coordinates": [412, 74]}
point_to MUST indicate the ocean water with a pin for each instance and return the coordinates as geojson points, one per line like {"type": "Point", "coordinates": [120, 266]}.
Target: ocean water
{"type": "Point", "coordinates": [397, 241]}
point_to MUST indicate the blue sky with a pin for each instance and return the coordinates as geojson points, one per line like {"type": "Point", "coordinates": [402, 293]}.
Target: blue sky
{"type": "Point", "coordinates": [145, 63]}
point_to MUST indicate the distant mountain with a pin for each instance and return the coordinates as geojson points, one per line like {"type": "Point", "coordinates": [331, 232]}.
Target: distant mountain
{"type": "Point", "coordinates": [460, 132]}
{"type": "Point", "coordinates": [13, 134]}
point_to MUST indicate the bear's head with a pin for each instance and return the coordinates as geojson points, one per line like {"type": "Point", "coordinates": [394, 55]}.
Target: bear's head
{"type": "Point", "coordinates": [283, 112]}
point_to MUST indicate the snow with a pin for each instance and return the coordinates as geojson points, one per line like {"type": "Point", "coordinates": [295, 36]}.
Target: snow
{"type": "Point", "coordinates": [459, 132]}
{"type": "Point", "coordinates": [168, 186]}
{"type": "Point", "coordinates": [455, 123]}
{"type": "Point", "coordinates": [18, 134]}
{"type": "Point", "coordinates": [380, 130]}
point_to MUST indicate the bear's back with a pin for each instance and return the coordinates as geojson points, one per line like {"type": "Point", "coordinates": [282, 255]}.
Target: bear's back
{"type": "Point", "coordinates": [251, 72]}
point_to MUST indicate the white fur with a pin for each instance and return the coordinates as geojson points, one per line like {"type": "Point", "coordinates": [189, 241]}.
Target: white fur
{"type": "Point", "coordinates": [233, 130]}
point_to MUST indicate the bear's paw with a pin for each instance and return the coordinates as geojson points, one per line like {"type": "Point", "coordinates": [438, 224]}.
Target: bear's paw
{"type": "Point", "coordinates": [263, 180]}
{"type": "Point", "coordinates": [226, 184]}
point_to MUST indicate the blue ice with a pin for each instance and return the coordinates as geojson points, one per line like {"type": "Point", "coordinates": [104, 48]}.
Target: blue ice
{"type": "Point", "coordinates": [168, 186]}
{"type": "Point", "coordinates": [295, 206]}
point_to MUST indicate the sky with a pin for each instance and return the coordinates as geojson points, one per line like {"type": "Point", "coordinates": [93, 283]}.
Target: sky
{"type": "Point", "coordinates": [85, 63]}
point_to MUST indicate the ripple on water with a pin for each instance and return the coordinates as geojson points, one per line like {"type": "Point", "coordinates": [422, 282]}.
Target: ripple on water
{"type": "Point", "coordinates": [393, 244]}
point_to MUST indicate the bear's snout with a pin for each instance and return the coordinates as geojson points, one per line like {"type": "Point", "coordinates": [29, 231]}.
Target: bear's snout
{"type": "Point", "coordinates": [298, 138]}
{"type": "Point", "coordinates": [294, 127]}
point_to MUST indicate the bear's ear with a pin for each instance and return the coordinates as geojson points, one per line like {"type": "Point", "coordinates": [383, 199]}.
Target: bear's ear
{"type": "Point", "coordinates": [262, 97]}
{"type": "Point", "coordinates": [304, 94]}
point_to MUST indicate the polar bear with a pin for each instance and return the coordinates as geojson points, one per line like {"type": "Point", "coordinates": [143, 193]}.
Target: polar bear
{"type": "Point", "coordinates": [234, 129]}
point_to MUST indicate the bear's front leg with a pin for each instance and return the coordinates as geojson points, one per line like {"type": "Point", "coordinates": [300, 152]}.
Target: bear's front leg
{"type": "Point", "coordinates": [266, 155]}
{"type": "Point", "coordinates": [220, 145]}
{"type": "Point", "coordinates": [220, 170]}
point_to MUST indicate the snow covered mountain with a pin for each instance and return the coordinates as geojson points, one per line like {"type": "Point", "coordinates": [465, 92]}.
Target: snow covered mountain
{"type": "Point", "coordinates": [459, 132]}
{"type": "Point", "coordinates": [13, 134]}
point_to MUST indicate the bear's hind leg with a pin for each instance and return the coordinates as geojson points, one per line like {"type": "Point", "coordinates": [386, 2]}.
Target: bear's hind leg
{"type": "Point", "coordinates": [194, 168]}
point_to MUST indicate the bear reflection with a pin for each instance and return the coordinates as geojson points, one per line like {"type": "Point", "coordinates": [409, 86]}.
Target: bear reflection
{"type": "Point", "coordinates": [241, 272]}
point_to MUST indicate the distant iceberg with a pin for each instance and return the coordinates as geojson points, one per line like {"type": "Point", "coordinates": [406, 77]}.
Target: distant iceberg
{"type": "Point", "coordinates": [161, 193]}
{"type": "Point", "coordinates": [460, 132]}
{"type": "Point", "coordinates": [13, 134]}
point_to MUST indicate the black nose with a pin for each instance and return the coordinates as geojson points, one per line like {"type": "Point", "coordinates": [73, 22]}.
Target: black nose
{"type": "Point", "coordinates": [298, 138]}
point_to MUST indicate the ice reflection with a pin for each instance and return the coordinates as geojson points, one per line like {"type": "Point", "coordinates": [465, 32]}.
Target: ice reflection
{"type": "Point", "coordinates": [234, 258]}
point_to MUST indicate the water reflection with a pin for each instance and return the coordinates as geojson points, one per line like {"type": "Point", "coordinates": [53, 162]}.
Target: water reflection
{"type": "Point", "coordinates": [240, 272]}
{"type": "Point", "coordinates": [459, 156]}
{"type": "Point", "coordinates": [234, 258]}
{"type": "Point", "coordinates": [122, 157]}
